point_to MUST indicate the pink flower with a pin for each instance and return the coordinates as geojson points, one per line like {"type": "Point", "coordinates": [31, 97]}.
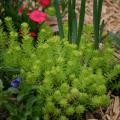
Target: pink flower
{"type": "Point", "coordinates": [37, 16]}
{"type": "Point", "coordinates": [23, 7]}
{"type": "Point", "coordinates": [44, 2]}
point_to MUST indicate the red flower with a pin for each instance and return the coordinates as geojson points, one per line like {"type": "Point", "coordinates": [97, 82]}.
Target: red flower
{"type": "Point", "coordinates": [33, 34]}
{"type": "Point", "coordinates": [37, 16]}
{"type": "Point", "coordinates": [28, 12]}
{"type": "Point", "coordinates": [44, 2]}
{"type": "Point", "coordinates": [21, 9]}
{"type": "Point", "coordinates": [20, 31]}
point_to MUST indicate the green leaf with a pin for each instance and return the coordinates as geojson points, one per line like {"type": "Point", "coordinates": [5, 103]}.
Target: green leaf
{"type": "Point", "coordinates": [11, 91]}
{"type": "Point", "coordinates": [101, 30]}
{"type": "Point", "coordinates": [97, 9]}
{"type": "Point", "coordinates": [64, 4]}
{"type": "Point", "coordinates": [10, 69]}
{"type": "Point", "coordinates": [96, 23]}
{"type": "Point", "coordinates": [100, 4]}
{"type": "Point", "coordinates": [1, 85]}
{"type": "Point", "coordinates": [74, 23]}
{"type": "Point", "coordinates": [69, 20]}
{"type": "Point", "coordinates": [11, 108]}
{"type": "Point", "coordinates": [30, 102]}
{"type": "Point", "coordinates": [59, 19]}
{"type": "Point", "coordinates": [81, 21]}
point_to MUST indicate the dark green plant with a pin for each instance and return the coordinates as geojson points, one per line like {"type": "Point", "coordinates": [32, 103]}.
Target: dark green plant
{"type": "Point", "coordinates": [22, 103]}
{"type": "Point", "coordinates": [10, 11]}
{"type": "Point", "coordinates": [59, 18]}
{"type": "Point", "coordinates": [115, 39]}
{"type": "Point", "coordinates": [63, 5]}
{"type": "Point", "coordinates": [98, 26]}
{"type": "Point", "coordinates": [74, 29]}
{"type": "Point", "coordinates": [72, 21]}
{"type": "Point", "coordinates": [114, 80]}
{"type": "Point", "coordinates": [81, 21]}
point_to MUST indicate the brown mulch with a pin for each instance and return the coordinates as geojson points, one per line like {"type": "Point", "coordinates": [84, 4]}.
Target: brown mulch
{"type": "Point", "coordinates": [110, 14]}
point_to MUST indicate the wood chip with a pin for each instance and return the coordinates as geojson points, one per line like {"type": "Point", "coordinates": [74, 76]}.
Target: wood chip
{"type": "Point", "coordinates": [89, 116]}
{"type": "Point", "coordinates": [108, 117]}
{"type": "Point", "coordinates": [116, 108]}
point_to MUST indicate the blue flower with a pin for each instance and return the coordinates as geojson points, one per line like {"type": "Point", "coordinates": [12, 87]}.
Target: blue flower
{"type": "Point", "coordinates": [15, 82]}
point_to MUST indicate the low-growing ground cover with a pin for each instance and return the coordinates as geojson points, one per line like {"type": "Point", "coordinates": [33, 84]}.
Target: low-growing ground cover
{"type": "Point", "coordinates": [56, 76]}
{"type": "Point", "coordinates": [53, 79]}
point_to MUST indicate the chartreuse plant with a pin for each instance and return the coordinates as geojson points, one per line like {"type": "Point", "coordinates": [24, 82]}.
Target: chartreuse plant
{"type": "Point", "coordinates": [59, 81]}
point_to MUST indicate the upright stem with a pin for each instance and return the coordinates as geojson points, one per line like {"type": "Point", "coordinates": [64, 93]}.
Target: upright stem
{"type": "Point", "coordinates": [81, 21]}
{"type": "Point", "coordinates": [59, 18]}
{"type": "Point", "coordinates": [96, 23]}
{"type": "Point", "coordinates": [69, 20]}
{"type": "Point", "coordinates": [74, 23]}
{"type": "Point", "coordinates": [101, 25]}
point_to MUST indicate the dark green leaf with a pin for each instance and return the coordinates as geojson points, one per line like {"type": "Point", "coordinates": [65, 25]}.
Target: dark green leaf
{"type": "Point", "coordinates": [59, 18]}
{"type": "Point", "coordinates": [81, 21]}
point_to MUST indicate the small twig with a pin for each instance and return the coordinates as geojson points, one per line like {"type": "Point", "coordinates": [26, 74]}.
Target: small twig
{"type": "Point", "coordinates": [102, 113]}
{"type": "Point", "coordinates": [108, 117]}
{"type": "Point", "coordinates": [112, 96]}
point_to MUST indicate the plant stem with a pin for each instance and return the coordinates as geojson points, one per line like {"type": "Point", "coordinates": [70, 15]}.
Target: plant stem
{"type": "Point", "coordinates": [96, 23]}
{"type": "Point", "coordinates": [98, 28]}
{"type": "Point", "coordinates": [81, 21]}
{"type": "Point", "coordinates": [69, 20]}
{"type": "Point", "coordinates": [74, 23]}
{"type": "Point", "coordinates": [59, 19]}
